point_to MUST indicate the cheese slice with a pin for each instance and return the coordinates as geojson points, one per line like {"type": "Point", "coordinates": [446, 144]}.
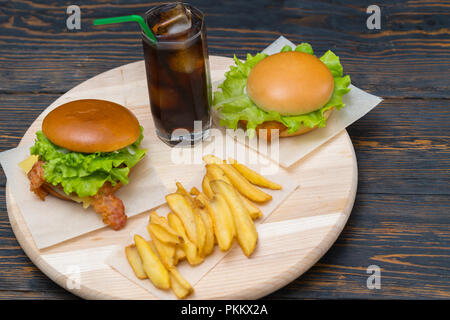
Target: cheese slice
{"type": "Point", "coordinates": [86, 201]}
{"type": "Point", "coordinates": [28, 163]}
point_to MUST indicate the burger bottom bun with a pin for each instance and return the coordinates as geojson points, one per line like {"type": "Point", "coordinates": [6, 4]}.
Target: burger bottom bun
{"type": "Point", "coordinates": [270, 125]}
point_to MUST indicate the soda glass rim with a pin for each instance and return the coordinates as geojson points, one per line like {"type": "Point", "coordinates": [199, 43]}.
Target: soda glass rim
{"type": "Point", "coordinates": [169, 42]}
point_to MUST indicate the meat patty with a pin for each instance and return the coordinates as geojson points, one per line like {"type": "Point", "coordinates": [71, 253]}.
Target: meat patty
{"type": "Point", "coordinates": [104, 202]}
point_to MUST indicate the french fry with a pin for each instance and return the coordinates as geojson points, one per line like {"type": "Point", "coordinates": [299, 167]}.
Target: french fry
{"type": "Point", "coordinates": [215, 172]}
{"type": "Point", "coordinates": [180, 291]}
{"type": "Point", "coordinates": [179, 254]}
{"type": "Point", "coordinates": [192, 255]}
{"type": "Point", "coordinates": [201, 228]}
{"type": "Point", "coordinates": [135, 261]}
{"type": "Point", "coordinates": [206, 187]}
{"type": "Point", "coordinates": [188, 247]}
{"type": "Point", "coordinates": [194, 191]}
{"type": "Point", "coordinates": [160, 227]}
{"type": "Point", "coordinates": [202, 200]}
{"type": "Point", "coordinates": [209, 230]}
{"type": "Point", "coordinates": [163, 235]}
{"type": "Point", "coordinates": [201, 232]}
{"type": "Point", "coordinates": [223, 224]}
{"type": "Point", "coordinates": [227, 173]}
{"type": "Point", "coordinates": [176, 274]}
{"type": "Point", "coordinates": [253, 176]}
{"type": "Point", "coordinates": [182, 208]}
{"type": "Point", "coordinates": [180, 286]}
{"type": "Point", "coordinates": [212, 159]}
{"type": "Point", "coordinates": [166, 251]}
{"type": "Point", "coordinates": [243, 186]}
{"type": "Point", "coordinates": [200, 225]}
{"type": "Point", "coordinates": [153, 267]}
{"type": "Point", "coordinates": [183, 191]}
{"type": "Point", "coordinates": [245, 228]}
{"type": "Point", "coordinates": [254, 211]}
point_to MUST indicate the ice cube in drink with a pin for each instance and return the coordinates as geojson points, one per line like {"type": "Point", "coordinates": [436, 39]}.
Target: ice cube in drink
{"type": "Point", "coordinates": [186, 61]}
{"type": "Point", "coordinates": [175, 22]}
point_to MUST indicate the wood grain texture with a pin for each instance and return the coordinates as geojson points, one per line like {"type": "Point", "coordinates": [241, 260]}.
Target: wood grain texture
{"type": "Point", "coordinates": [407, 236]}
{"type": "Point", "coordinates": [401, 146]}
{"type": "Point", "coordinates": [409, 46]}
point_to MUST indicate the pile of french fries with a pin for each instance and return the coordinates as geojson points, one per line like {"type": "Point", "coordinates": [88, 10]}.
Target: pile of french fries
{"type": "Point", "coordinates": [223, 211]}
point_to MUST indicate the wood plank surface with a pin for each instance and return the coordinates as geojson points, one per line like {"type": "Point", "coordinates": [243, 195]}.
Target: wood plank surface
{"type": "Point", "coordinates": [412, 44]}
{"type": "Point", "coordinates": [400, 219]}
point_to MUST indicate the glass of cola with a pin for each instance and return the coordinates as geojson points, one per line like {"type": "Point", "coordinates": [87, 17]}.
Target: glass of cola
{"type": "Point", "coordinates": [178, 77]}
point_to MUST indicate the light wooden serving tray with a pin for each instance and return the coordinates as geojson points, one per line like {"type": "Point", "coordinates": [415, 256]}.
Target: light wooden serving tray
{"type": "Point", "coordinates": [310, 219]}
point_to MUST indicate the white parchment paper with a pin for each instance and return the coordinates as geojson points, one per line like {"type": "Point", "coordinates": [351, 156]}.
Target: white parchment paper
{"type": "Point", "coordinates": [53, 220]}
{"type": "Point", "coordinates": [193, 274]}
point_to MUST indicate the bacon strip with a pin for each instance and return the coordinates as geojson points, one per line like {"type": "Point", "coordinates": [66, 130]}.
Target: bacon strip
{"type": "Point", "coordinates": [109, 206]}
{"type": "Point", "coordinates": [37, 180]}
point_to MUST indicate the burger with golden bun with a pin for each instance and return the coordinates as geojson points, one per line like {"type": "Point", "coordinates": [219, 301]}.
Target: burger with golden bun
{"type": "Point", "coordinates": [292, 91]}
{"type": "Point", "coordinates": [84, 153]}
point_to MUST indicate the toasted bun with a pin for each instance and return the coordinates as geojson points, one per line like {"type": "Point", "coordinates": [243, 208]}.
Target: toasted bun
{"type": "Point", "coordinates": [290, 83]}
{"type": "Point", "coordinates": [91, 126]}
{"type": "Point", "coordinates": [270, 125]}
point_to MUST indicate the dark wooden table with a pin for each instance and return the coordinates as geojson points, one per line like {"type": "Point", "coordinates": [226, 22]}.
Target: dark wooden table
{"type": "Point", "coordinates": [401, 217]}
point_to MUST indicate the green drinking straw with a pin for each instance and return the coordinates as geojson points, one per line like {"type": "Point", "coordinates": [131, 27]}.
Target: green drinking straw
{"type": "Point", "coordinates": [134, 17]}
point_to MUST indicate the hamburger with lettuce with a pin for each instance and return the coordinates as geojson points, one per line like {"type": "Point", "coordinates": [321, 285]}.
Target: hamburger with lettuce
{"type": "Point", "coordinates": [292, 91]}
{"type": "Point", "coordinates": [84, 153]}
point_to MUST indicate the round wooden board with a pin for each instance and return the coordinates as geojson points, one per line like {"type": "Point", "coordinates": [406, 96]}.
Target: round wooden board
{"type": "Point", "coordinates": [320, 207]}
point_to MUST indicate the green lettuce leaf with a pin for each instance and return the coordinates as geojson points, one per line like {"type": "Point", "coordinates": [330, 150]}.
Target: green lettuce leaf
{"type": "Point", "coordinates": [304, 47]}
{"type": "Point", "coordinates": [85, 173]}
{"type": "Point", "coordinates": [233, 103]}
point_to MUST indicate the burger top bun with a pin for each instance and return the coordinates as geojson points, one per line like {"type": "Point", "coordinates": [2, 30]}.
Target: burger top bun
{"type": "Point", "coordinates": [91, 126]}
{"type": "Point", "coordinates": [291, 83]}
